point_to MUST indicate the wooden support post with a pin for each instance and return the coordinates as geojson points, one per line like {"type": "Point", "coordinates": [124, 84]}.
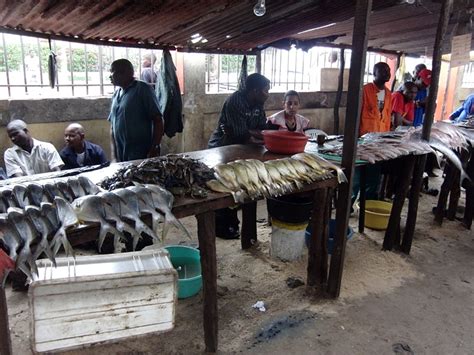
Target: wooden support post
{"type": "Point", "coordinates": [317, 255]}
{"type": "Point", "coordinates": [258, 62]}
{"type": "Point", "coordinates": [207, 247]}
{"type": "Point", "coordinates": [5, 341]}
{"type": "Point", "coordinates": [249, 225]}
{"type": "Point", "coordinates": [417, 182]}
{"type": "Point", "coordinates": [402, 186]}
{"type": "Point", "coordinates": [340, 86]}
{"type": "Point", "coordinates": [351, 132]}
{"type": "Point", "coordinates": [362, 197]}
{"type": "Point", "coordinates": [469, 208]}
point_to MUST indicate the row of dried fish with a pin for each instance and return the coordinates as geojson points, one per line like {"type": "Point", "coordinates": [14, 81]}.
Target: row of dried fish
{"type": "Point", "coordinates": [252, 179]}
{"type": "Point", "coordinates": [177, 173]}
{"type": "Point", "coordinates": [34, 194]}
{"type": "Point", "coordinates": [28, 233]}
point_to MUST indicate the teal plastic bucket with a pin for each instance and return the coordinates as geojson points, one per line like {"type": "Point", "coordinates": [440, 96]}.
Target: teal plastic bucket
{"type": "Point", "coordinates": [187, 262]}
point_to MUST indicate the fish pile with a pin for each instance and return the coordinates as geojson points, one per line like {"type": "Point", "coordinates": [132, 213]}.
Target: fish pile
{"type": "Point", "coordinates": [36, 217]}
{"type": "Point", "coordinates": [33, 194]}
{"type": "Point", "coordinates": [375, 147]}
{"type": "Point", "coordinates": [253, 179]}
{"type": "Point", "coordinates": [177, 173]}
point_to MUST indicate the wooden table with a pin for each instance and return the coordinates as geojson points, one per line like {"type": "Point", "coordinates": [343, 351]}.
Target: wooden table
{"type": "Point", "coordinates": [203, 209]}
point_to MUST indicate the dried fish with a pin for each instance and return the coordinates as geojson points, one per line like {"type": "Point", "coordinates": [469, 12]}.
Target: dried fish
{"type": "Point", "coordinates": [177, 173]}
{"type": "Point", "coordinates": [67, 218]}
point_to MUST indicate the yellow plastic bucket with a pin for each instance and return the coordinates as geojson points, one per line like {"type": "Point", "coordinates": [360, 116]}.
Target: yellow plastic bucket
{"type": "Point", "coordinates": [377, 214]}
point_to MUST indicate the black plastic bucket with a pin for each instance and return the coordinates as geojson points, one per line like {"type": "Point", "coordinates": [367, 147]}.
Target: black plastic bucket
{"type": "Point", "coordinates": [290, 208]}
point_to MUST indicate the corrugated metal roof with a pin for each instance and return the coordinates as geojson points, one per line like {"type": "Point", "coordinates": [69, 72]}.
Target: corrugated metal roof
{"type": "Point", "coordinates": [227, 25]}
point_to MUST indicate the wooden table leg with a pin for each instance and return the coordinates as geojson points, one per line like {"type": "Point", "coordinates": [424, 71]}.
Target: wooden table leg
{"type": "Point", "coordinates": [444, 193]}
{"type": "Point", "coordinates": [317, 255]}
{"type": "Point", "coordinates": [5, 341]}
{"type": "Point", "coordinates": [248, 235]}
{"type": "Point", "coordinates": [401, 190]}
{"type": "Point", "coordinates": [207, 247]}
{"type": "Point", "coordinates": [362, 192]}
{"type": "Point", "coordinates": [454, 195]}
{"type": "Point", "coordinates": [469, 209]}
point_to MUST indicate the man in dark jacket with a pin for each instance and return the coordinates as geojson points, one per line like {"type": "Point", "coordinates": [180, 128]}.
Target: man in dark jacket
{"type": "Point", "coordinates": [241, 120]}
{"type": "Point", "coordinates": [79, 152]}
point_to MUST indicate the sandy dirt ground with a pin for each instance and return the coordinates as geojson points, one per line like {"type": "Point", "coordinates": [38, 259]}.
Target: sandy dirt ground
{"type": "Point", "coordinates": [390, 303]}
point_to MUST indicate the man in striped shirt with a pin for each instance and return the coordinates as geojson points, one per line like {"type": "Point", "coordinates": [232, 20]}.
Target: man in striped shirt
{"type": "Point", "coordinates": [241, 120]}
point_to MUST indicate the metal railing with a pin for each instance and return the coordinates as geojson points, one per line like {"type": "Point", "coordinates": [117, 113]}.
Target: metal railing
{"type": "Point", "coordinates": [83, 69]}
{"type": "Point", "coordinates": [286, 69]}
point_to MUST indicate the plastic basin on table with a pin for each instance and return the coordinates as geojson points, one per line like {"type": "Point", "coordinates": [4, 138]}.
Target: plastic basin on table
{"type": "Point", "coordinates": [284, 142]}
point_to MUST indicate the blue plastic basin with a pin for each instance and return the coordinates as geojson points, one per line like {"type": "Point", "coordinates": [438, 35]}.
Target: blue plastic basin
{"type": "Point", "coordinates": [332, 232]}
{"type": "Point", "coordinates": [187, 261]}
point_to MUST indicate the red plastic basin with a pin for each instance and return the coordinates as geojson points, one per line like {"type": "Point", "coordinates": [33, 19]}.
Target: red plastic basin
{"type": "Point", "coordinates": [284, 142]}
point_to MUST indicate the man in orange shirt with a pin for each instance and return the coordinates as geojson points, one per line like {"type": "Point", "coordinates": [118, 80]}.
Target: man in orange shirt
{"type": "Point", "coordinates": [375, 116]}
{"type": "Point", "coordinates": [376, 102]}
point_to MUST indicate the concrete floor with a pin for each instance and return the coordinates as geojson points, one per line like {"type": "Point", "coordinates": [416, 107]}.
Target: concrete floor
{"type": "Point", "coordinates": [390, 303]}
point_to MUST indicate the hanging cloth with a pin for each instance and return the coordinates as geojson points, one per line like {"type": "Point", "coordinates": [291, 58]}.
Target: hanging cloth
{"type": "Point", "coordinates": [52, 66]}
{"type": "Point", "coordinates": [169, 96]}
{"type": "Point", "coordinates": [243, 73]}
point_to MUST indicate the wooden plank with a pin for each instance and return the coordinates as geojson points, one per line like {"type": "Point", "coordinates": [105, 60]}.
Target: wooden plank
{"type": "Point", "coordinates": [340, 85]}
{"type": "Point", "coordinates": [351, 132]}
{"type": "Point", "coordinates": [317, 254]}
{"type": "Point", "coordinates": [248, 235]}
{"type": "Point", "coordinates": [207, 247]}
{"type": "Point", "coordinates": [446, 187]}
{"type": "Point", "coordinates": [5, 341]}
{"type": "Point", "coordinates": [402, 185]}
{"type": "Point", "coordinates": [444, 15]}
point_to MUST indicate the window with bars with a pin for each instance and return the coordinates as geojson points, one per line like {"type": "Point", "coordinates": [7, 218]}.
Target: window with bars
{"type": "Point", "coordinates": [82, 69]}
{"type": "Point", "coordinates": [468, 76]}
{"type": "Point", "coordinates": [292, 69]}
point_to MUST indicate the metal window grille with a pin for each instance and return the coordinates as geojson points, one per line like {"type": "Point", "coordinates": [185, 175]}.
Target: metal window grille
{"type": "Point", "coordinates": [292, 69]}
{"type": "Point", "coordinates": [83, 69]}
{"type": "Point", "coordinates": [468, 76]}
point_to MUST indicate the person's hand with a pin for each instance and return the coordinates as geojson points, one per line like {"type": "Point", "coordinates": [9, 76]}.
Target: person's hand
{"type": "Point", "coordinates": [154, 152]}
{"type": "Point", "coordinates": [6, 263]}
{"type": "Point", "coordinates": [256, 137]}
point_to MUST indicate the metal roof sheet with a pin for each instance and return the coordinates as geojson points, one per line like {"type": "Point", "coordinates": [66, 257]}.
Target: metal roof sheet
{"type": "Point", "coordinates": [226, 25]}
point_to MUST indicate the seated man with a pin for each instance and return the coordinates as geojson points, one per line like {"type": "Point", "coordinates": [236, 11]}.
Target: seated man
{"type": "Point", "coordinates": [78, 151]}
{"type": "Point", "coordinates": [465, 111]}
{"type": "Point", "coordinates": [29, 156]}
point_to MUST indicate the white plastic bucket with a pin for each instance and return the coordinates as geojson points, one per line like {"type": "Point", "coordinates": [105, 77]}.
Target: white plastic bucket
{"type": "Point", "coordinates": [287, 242]}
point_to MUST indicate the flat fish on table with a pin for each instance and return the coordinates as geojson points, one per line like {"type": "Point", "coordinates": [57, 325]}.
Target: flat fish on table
{"type": "Point", "coordinates": [44, 228]}
{"type": "Point", "coordinates": [35, 194]}
{"type": "Point", "coordinates": [145, 200]}
{"type": "Point", "coordinates": [67, 218]}
{"type": "Point", "coordinates": [450, 155]}
{"type": "Point", "coordinates": [65, 190]}
{"type": "Point", "coordinates": [9, 236]}
{"type": "Point", "coordinates": [91, 208]}
{"type": "Point", "coordinates": [163, 202]}
{"type": "Point", "coordinates": [130, 208]}
{"type": "Point", "coordinates": [51, 191]}
{"type": "Point", "coordinates": [76, 187]}
{"type": "Point", "coordinates": [19, 195]}
{"type": "Point", "coordinates": [89, 187]}
{"type": "Point", "coordinates": [113, 212]}
{"type": "Point", "coordinates": [25, 261]}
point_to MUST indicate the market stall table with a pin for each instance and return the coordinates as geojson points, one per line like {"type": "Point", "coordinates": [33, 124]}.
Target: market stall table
{"type": "Point", "coordinates": [204, 209]}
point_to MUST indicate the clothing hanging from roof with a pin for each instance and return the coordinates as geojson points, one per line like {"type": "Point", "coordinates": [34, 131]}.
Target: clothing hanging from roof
{"type": "Point", "coordinates": [169, 96]}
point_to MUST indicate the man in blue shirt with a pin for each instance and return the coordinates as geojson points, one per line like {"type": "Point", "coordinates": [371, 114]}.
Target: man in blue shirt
{"type": "Point", "coordinates": [136, 122]}
{"type": "Point", "coordinates": [78, 151]}
{"type": "Point", "coordinates": [464, 111]}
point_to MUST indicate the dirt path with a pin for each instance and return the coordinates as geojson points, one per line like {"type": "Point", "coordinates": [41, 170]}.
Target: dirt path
{"type": "Point", "coordinates": [423, 302]}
